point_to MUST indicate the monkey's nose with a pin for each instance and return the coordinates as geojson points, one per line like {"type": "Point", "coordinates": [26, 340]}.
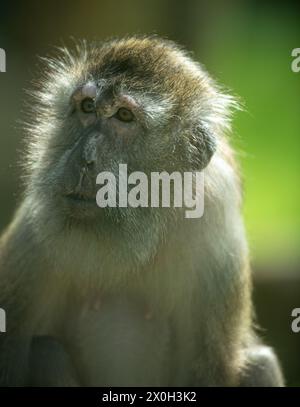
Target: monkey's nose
{"type": "Point", "coordinates": [90, 165]}
{"type": "Point", "coordinates": [89, 154]}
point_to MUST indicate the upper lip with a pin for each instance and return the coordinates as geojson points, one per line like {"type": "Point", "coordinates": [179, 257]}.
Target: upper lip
{"type": "Point", "coordinates": [81, 197]}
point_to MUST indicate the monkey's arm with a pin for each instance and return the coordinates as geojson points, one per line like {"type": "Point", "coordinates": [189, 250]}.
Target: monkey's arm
{"type": "Point", "coordinates": [22, 289]}
{"type": "Point", "coordinates": [50, 365]}
{"type": "Point", "coordinates": [262, 368]}
{"type": "Point", "coordinates": [235, 360]}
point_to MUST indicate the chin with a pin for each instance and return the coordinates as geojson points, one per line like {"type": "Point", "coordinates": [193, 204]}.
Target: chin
{"type": "Point", "coordinates": [80, 210]}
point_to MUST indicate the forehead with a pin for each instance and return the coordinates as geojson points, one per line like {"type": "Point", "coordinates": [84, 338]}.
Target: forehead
{"type": "Point", "coordinates": [143, 64]}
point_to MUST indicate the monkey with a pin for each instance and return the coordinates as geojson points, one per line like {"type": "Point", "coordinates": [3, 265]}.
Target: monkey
{"type": "Point", "coordinates": [123, 296]}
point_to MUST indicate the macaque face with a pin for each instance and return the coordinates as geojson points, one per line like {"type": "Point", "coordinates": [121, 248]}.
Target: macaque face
{"type": "Point", "coordinates": [132, 108]}
{"type": "Point", "coordinates": [110, 130]}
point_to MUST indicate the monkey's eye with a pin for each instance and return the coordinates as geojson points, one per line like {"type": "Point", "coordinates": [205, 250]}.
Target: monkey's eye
{"type": "Point", "coordinates": [88, 105]}
{"type": "Point", "coordinates": [124, 115]}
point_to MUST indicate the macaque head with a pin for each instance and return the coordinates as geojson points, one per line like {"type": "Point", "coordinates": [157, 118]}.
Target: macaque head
{"type": "Point", "coordinates": [136, 101]}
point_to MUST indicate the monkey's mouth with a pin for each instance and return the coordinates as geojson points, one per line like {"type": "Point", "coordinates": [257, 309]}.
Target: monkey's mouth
{"type": "Point", "coordinates": [81, 198]}
{"type": "Point", "coordinates": [81, 206]}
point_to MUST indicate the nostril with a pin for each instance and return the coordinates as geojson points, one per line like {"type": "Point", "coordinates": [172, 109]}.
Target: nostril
{"type": "Point", "coordinates": [90, 165]}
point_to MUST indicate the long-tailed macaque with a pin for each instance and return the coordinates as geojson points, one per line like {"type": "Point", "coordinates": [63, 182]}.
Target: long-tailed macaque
{"type": "Point", "coordinates": [128, 296]}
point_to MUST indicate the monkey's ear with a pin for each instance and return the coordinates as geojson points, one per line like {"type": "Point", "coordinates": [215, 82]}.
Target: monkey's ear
{"type": "Point", "coordinates": [204, 141]}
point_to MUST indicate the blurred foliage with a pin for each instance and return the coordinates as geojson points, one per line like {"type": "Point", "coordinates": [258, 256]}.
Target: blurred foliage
{"type": "Point", "coordinates": [255, 63]}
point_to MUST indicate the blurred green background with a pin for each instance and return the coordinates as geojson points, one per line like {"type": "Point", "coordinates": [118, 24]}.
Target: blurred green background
{"type": "Point", "coordinates": [245, 45]}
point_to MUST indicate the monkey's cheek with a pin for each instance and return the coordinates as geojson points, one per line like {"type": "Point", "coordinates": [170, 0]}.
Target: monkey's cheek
{"type": "Point", "coordinates": [81, 209]}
